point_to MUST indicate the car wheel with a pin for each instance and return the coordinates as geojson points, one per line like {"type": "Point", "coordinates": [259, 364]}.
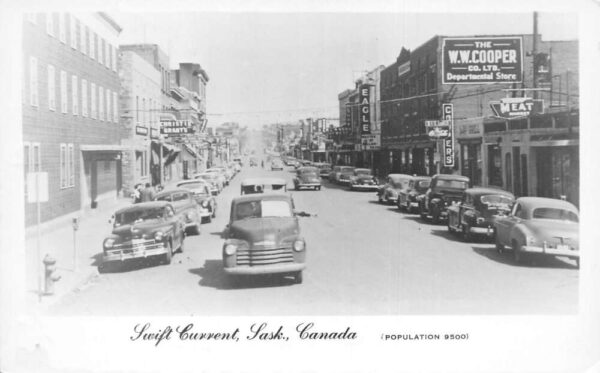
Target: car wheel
{"type": "Point", "coordinates": [435, 216]}
{"type": "Point", "coordinates": [466, 234]}
{"type": "Point", "coordinates": [181, 245]}
{"type": "Point", "coordinates": [169, 254]}
{"type": "Point", "coordinates": [298, 277]}
{"type": "Point", "coordinates": [318, 188]}
{"type": "Point", "coordinates": [517, 254]}
{"type": "Point", "coordinates": [207, 219]}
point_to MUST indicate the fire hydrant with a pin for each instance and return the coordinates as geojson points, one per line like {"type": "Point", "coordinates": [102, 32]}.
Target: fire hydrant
{"type": "Point", "coordinates": [50, 277]}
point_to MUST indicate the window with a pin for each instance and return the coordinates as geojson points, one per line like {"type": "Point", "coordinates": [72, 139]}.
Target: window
{"type": "Point", "coordinates": [50, 24]}
{"type": "Point", "coordinates": [108, 101]}
{"type": "Point", "coordinates": [144, 111]}
{"type": "Point", "coordinates": [94, 112]}
{"type": "Point", "coordinates": [73, 31]}
{"type": "Point", "coordinates": [115, 108]}
{"type": "Point", "coordinates": [92, 44]}
{"type": "Point", "coordinates": [33, 81]}
{"type": "Point", "coordinates": [63, 166]}
{"type": "Point", "coordinates": [51, 88]}
{"type": "Point", "coordinates": [114, 60]}
{"type": "Point", "coordinates": [107, 54]}
{"type": "Point", "coordinates": [84, 39]}
{"type": "Point", "coordinates": [137, 110]}
{"type": "Point", "coordinates": [63, 92]}
{"type": "Point", "coordinates": [100, 51]}
{"type": "Point", "coordinates": [74, 96]}
{"type": "Point", "coordinates": [67, 169]}
{"type": "Point", "coordinates": [71, 164]}
{"type": "Point", "coordinates": [84, 101]}
{"type": "Point", "coordinates": [62, 28]}
{"type": "Point", "coordinates": [100, 103]}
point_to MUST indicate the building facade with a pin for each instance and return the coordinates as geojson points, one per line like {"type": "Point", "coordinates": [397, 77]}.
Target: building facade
{"type": "Point", "coordinates": [70, 112]}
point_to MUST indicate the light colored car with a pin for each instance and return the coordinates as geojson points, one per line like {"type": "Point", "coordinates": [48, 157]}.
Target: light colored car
{"type": "Point", "coordinates": [202, 194]}
{"type": "Point", "coordinates": [539, 226]}
{"type": "Point", "coordinates": [276, 165]}
{"type": "Point", "coordinates": [216, 184]}
{"type": "Point", "coordinates": [346, 172]}
{"type": "Point", "coordinates": [185, 205]}
{"type": "Point", "coordinates": [408, 198]}
{"type": "Point", "coordinates": [388, 193]}
{"type": "Point", "coordinates": [224, 175]}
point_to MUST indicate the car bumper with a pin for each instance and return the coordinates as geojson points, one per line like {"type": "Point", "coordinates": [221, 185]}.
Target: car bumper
{"type": "Point", "coordinates": [488, 231]}
{"type": "Point", "coordinates": [552, 252]}
{"type": "Point", "coordinates": [205, 213]}
{"type": "Point", "coordinates": [414, 204]}
{"type": "Point", "coordinates": [344, 182]}
{"type": "Point", "coordinates": [365, 186]}
{"type": "Point", "coordinates": [308, 185]}
{"type": "Point", "coordinates": [121, 255]}
{"type": "Point", "coordinates": [266, 269]}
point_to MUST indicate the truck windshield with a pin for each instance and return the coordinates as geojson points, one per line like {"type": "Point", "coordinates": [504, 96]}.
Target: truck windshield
{"type": "Point", "coordinates": [262, 209]}
{"type": "Point", "coordinates": [136, 216]}
{"type": "Point", "coordinates": [452, 184]}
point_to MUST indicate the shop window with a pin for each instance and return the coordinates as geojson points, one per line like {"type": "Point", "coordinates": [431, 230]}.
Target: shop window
{"type": "Point", "coordinates": [494, 126]}
{"type": "Point", "coordinates": [544, 121]}
{"type": "Point", "coordinates": [519, 124]}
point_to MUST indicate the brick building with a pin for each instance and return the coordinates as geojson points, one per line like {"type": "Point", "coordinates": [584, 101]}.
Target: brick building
{"type": "Point", "coordinates": [70, 113]}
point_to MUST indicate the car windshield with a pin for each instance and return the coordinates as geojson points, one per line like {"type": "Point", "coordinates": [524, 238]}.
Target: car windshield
{"type": "Point", "coordinates": [262, 188]}
{"type": "Point", "coordinates": [452, 184]}
{"type": "Point", "coordinates": [422, 185]}
{"type": "Point", "coordinates": [494, 200]}
{"type": "Point", "coordinates": [192, 186]}
{"type": "Point", "coordinates": [399, 183]}
{"type": "Point", "coordinates": [362, 172]}
{"type": "Point", "coordinates": [347, 170]}
{"type": "Point", "coordinates": [262, 209]}
{"type": "Point", "coordinates": [555, 214]}
{"type": "Point", "coordinates": [205, 177]}
{"type": "Point", "coordinates": [137, 216]}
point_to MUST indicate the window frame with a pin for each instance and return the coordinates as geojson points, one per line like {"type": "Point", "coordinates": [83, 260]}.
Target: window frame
{"type": "Point", "coordinates": [34, 96]}
{"type": "Point", "coordinates": [51, 88]}
{"type": "Point", "coordinates": [73, 31]}
{"type": "Point", "coordinates": [50, 24]}
{"type": "Point", "coordinates": [84, 98]}
{"type": "Point", "coordinates": [93, 103]}
{"type": "Point", "coordinates": [62, 28]}
{"type": "Point", "coordinates": [64, 101]}
{"type": "Point", "coordinates": [74, 95]}
{"type": "Point", "coordinates": [101, 103]}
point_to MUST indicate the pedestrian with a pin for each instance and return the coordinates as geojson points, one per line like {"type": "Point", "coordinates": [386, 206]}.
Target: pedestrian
{"type": "Point", "coordinates": [147, 194]}
{"type": "Point", "coordinates": [137, 193]}
{"type": "Point", "coordinates": [262, 164]}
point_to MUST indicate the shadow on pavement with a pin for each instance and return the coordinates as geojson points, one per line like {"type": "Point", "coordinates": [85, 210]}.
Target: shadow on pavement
{"type": "Point", "coordinates": [376, 202]}
{"type": "Point", "coordinates": [418, 219]}
{"type": "Point", "coordinates": [220, 233]}
{"type": "Point", "coordinates": [212, 275]}
{"type": "Point", "coordinates": [447, 235]}
{"type": "Point", "coordinates": [506, 257]}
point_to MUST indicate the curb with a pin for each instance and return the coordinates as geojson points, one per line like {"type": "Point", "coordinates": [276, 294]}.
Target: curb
{"type": "Point", "coordinates": [79, 283]}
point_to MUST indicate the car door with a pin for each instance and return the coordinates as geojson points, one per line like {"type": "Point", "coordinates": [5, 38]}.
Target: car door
{"type": "Point", "coordinates": [504, 225]}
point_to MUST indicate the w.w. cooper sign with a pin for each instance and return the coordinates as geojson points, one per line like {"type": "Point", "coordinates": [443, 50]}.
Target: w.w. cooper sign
{"type": "Point", "coordinates": [482, 60]}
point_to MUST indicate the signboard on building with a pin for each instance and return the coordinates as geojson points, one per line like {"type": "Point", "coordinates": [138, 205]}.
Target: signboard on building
{"type": "Point", "coordinates": [467, 128]}
{"type": "Point", "coordinates": [371, 142]}
{"type": "Point", "coordinates": [437, 129]}
{"type": "Point", "coordinates": [364, 95]}
{"type": "Point", "coordinates": [517, 107]}
{"type": "Point", "coordinates": [176, 127]}
{"type": "Point", "coordinates": [141, 130]}
{"type": "Point", "coordinates": [482, 60]}
{"type": "Point", "coordinates": [448, 148]}
{"type": "Point", "coordinates": [348, 114]}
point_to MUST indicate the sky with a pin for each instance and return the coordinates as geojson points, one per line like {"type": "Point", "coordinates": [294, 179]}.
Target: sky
{"type": "Point", "coordinates": [281, 67]}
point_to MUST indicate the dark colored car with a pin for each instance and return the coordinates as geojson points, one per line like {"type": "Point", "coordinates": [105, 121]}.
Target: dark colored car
{"type": "Point", "coordinates": [476, 213]}
{"type": "Point", "coordinates": [346, 172]}
{"type": "Point", "coordinates": [324, 169]}
{"type": "Point", "coordinates": [203, 196]}
{"type": "Point", "coordinates": [307, 177]}
{"type": "Point", "coordinates": [263, 237]}
{"type": "Point", "coordinates": [184, 203]}
{"type": "Point", "coordinates": [540, 227]}
{"type": "Point", "coordinates": [144, 230]}
{"type": "Point", "coordinates": [408, 198]}
{"type": "Point", "coordinates": [363, 179]}
{"type": "Point", "coordinates": [444, 190]}
{"type": "Point", "coordinates": [388, 193]}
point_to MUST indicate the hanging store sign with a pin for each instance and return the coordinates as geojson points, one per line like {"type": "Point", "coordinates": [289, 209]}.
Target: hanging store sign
{"type": "Point", "coordinates": [348, 115]}
{"type": "Point", "coordinates": [448, 148]}
{"type": "Point", "coordinates": [482, 60]}
{"type": "Point", "coordinates": [176, 127]}
{"type": "Point", "coordinates": [365, 109]}
{"type": "Point", "coordinates": [517, 107]}
{"type": "Point", "coordinates": [141, 130]}
{"type": "Point", "coordinates": [437, 129]}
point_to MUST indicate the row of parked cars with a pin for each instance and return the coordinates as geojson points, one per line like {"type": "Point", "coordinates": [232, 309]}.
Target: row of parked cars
{"type": "Point", "coordinates": [528, 226]}
{"type": "Point", "coordinates": [158, 228]}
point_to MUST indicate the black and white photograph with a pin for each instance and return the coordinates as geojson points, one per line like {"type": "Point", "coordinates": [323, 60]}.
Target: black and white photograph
{"type": "Point", "coordinates": [359, 187]}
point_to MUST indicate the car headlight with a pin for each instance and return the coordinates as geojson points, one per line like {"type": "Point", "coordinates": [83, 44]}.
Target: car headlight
{"type": "Point", "coordinates": [480, 220]}
{"type": "Point", "coordinates": [108, 243]}
{"type": "Point", "coordinates": [204, 203]}
{"type": "Point", "coordinates": [299, 245]}
{"type": "Point", "coordinates": [158, 236]}
{"type": "Point", "coordinates": [230, 249]}
{"type": "Point", "coordinates": [530, 240]}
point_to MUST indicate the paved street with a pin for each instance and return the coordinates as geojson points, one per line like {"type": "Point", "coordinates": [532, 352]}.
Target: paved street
{"type": "Point", "coordinates": [363, 258]}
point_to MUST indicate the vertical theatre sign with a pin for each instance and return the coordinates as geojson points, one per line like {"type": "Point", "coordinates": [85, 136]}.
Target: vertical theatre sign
{"type": "Point", "coordinates": [448, 147]}
{"type": "Point", "coordinates": [482, 60]}
{"type": "Point", "coordinates": [365, 109]}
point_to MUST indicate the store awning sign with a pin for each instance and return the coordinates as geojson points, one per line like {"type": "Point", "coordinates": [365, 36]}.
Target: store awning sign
{"type": "Point", "coordinates": [517, 107]}
{"type": "Point", "coordinates": [482, 60]}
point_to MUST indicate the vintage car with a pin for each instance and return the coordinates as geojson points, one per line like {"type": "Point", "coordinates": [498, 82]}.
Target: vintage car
{"type": "Point", "coordinates": [408, 198]}
{"type": "Point", "coordinates": [363, 179]}
{"type": "Point", "coordinates": [276, 165]}
{"type": "Point", "coordinates": [263, 237]}
{"type": "Point", "coordinates": [185, 205]}
{"type": "Point", "coordinates": [539, 226]}
{"type": "Point", "coordinates": [253, 162]}
{"type": "Point", "coordinates": [224, 174]}
{"type": "Point", "coordinates": [263, 185]}
{"type": "Point", "coordinates": [345, 173]}
{"type": "Point", "coordinates": [143, 230]}
{"type": "Point", "coordinates": [334, 174]}
{"type": "Point", "coordinates": [307, 177]}
{"type": "Point", "coordinates": [324, 169]}
{"type": "Point", "coordinates": [476, 212]}
{"type": "Point", "coordinates": [216, 185]}
{"type": "Point", "coordinates": [388, 193]}
{"type": "Point", "coordinates": [203, 196]}
{"type": "Point", "coordinates": [443, 191]}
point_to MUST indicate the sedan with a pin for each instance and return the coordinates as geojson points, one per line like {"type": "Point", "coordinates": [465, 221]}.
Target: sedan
{"type": "Point", "coordinates": [203, 196]}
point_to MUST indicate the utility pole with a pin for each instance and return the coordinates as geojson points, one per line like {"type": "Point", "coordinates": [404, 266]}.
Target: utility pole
{"type": "Point", "coordinates": [534, 52]}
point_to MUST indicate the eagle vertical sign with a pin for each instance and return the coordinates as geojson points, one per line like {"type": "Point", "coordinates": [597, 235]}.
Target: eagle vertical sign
{"type": "Point", "coordinates": [448, 114]}
{"type": "Point", "coordinates": [365, 110]}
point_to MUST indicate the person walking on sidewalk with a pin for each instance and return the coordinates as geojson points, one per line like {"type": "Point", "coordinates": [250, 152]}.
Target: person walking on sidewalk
{"type": "Point", "coordinates": [147, 193]}
{"type": "Point", "coordinates": [137, 193]}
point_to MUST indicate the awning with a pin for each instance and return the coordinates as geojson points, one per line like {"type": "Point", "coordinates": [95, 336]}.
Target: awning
{"type": "Point", "coordinates": [103, 148]}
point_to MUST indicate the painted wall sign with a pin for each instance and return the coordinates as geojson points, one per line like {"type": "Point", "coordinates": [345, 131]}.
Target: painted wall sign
{"type": "Point", "coordinates": [517, 107]}
{"type": "Point", "coordinates": [448, 148]}
{"type": "Point", "coordinates": [482, 60]}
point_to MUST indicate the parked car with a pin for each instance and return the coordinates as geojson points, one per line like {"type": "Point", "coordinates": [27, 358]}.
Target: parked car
{"type": "Point", "coordinates": [263, 185]}
{"type": "Point", "coordinates": [363, 179]}
{"type": "Point", "coordinates": [253, 162]}
{"type": "Point", "coordinates": [388, 193]}
{"type": "Point", "coordinates": [334, 175]}
{"type": "Point", "coordinates": [324, 169]}
{"type": "Point", "coordinates": [476, 212]}
{"type": "Point", "coordinates": [408, 198]}
{"type": "Point", "coordinates": [345, 173]}
{"type": "Point", "coordinates": [239, 161]}
{"type": "Point", "coordinates": [263, 236]}
{"type": "Point", "coordinates": [276, 165]}
{"type": "Point", "coordinates": [307, 177]}
{"type": "Point", "coordinates": [143, 230]}
{"type": "Point", "coordinates": [203, 196]}
{"type": "Point", "coordinates": [216, 183]}
{"type": "Point", "coordinates": [224, 174]}
{"type": "Point", "coordinates": [539, 226]}
{"type": "Point", "coordinates": [444, 190]}
{"type": "Point", "coordinates": [184, 203]}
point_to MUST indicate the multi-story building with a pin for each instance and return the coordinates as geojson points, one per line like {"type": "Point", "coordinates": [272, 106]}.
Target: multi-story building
{"type": "Point", "coordinates": [70, 111]}
{"type": "Point", "coordinates": [139, 108]}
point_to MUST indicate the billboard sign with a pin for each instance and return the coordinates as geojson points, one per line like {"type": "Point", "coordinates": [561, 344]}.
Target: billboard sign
{"type": "Point", "coordinates": [482, 60]}
{"type": "Point", "coordinates": [517, 107]}
{"type": "Point", "coordinates": [365, 109]}
{"type": "Point", "coordinates": [176, 127]}
{"type": "Point", "coordinates": [448, 148]}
